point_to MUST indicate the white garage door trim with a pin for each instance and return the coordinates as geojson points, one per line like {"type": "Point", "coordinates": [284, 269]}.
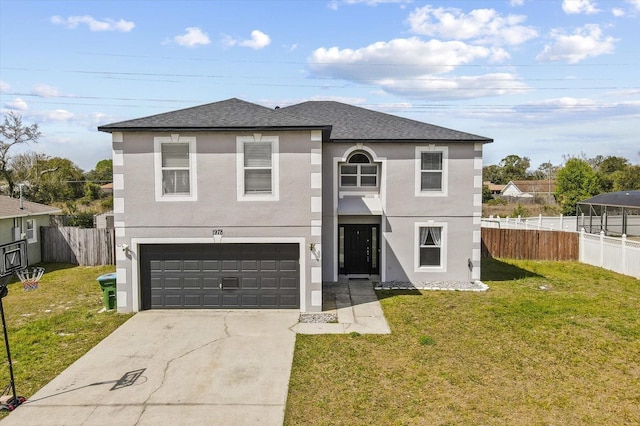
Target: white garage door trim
{"type": "Point", "coordinates": [137, 242]}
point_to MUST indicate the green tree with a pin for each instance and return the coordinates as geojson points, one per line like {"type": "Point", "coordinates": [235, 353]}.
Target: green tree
{"type": "Point", "coordinates": [514, 167]}
{"type": "Point", "coordinates": [102, 173]}
{"type": "Point", "coordinates": [607, 168]}
{"type": "Point", "coordinates": [492, 173]}
{"type": "Point", "coordinates": [486, 193]}
{"type": "Point", "coordinates": [14, 133]}
{"type": "Point", "coordinates": [576, 181]}
{"type": "Point", "coordinates": [63, 181]}
{"type": "Point", "coordinates": [627, 179]}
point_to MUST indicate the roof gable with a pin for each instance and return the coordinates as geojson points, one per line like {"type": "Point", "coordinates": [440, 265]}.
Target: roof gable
{"type": "Point", "coordinates": [355, 123]}
{"type": "Point", "coordinates": [229, 114]}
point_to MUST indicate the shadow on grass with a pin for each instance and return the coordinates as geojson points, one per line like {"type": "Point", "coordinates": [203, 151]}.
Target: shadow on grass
{"type": "Point", "coordinates": [385, 294]}
{"type": "Point", "coordinates": [497, 270]}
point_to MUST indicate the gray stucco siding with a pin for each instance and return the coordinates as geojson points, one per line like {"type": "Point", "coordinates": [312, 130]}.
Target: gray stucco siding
{"type": "Point", "coordinates": [217, 206]}
{"type": "Point", "coordinates": [403, 208]}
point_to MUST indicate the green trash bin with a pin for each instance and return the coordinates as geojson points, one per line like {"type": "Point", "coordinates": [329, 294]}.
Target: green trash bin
{"type": "Point", "coordinates": [108, 285]}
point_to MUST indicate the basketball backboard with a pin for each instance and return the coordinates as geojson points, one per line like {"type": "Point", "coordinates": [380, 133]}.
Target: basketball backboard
{"type": "Point", "coordinates": [13, 257]}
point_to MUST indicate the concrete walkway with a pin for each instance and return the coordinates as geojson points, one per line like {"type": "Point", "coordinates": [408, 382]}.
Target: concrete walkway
{"type": "Point", "coordinates": [356, 306]}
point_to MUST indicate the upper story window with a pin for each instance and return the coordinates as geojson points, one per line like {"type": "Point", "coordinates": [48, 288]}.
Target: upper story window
{"type": "Point", "coordinates": [257, 164]}
{"type": "Point", "coordinates": [359, 172]}
{"type": "Point", "coordinates": [431, 170]}
{"type": "Point", "coordinates": [175, 168]}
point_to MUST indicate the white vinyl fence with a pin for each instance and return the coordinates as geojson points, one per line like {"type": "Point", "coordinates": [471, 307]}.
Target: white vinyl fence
{"type": "Point", "coordinates": [616, 254]}
{"type": "Point", "coordinates": [545, 223]}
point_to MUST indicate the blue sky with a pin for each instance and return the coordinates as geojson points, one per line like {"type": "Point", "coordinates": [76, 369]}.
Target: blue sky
{"type": "Point", "coordinates": [544, 78]}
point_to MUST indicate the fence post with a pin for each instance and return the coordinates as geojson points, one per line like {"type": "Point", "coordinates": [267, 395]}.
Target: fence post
{"type": "Point", "coordinates": [561, 221]}
{"type": "Point", "coordinates": [601, 249]}
{"type": "Point", "coordinates": [581, 246]}
{"type": "Point", "coordinates": [624, 253]}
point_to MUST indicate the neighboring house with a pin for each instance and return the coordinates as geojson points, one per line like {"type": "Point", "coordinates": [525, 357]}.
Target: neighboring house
{"type": "Point", "coordinates": [21, 220]}
{"type": "Point", "coordinates": [103, 220]}
{"type": "Point", "coordinates": [107, 189]}
{"type": "Point", "coordinates": [495, 188]}
{"type": "Point", "coordinates": [236, 205]}
{"type": "Point", "coordinates": [530, 189]}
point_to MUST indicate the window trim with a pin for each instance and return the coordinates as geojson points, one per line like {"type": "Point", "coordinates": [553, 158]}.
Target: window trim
{"type": "Point", "coordinates": [443, 192]}
{"type": "Point", "coordinates": [443, 247]}
{"type": "Point", "coordinates": [275, 168]}
{"type": "Point", "coordinates": [358, 175]}
{"type": "Point", "coordinates": [34, 237]}
{"type": "Point", "coordinates": [158, 141]}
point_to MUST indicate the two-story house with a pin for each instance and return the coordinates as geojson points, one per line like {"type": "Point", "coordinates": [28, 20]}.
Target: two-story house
{"type": "Point", "coordinates": [235, 205]}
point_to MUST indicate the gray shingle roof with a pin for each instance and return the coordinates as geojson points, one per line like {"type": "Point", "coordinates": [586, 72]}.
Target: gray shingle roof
{"type": "Point", "coordinates": [618, 199]}
{"type": "Point", "coordinates": [10, 207]}
{"type": "Point", "coordinates": [354, 123]}
{"type": "Point", "coordinates": [229, 114]}
{"type": "Point", "coordinates": [339, 122]}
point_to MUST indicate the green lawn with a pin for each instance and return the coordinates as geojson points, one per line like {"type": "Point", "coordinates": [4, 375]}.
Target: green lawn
{"type": "Point", "coordinates": [49, 328]}
{"type": "Point", "coordinates": [549, 343]}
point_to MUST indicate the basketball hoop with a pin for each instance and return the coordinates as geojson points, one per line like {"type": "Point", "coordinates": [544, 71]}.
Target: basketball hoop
{"type": "Point", "coordinates": [31, 279]}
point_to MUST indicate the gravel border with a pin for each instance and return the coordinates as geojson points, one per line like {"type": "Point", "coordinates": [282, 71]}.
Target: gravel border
{"type": "Point", "coordinates": [318, 318]}
{"type": "Point", "coordinates": [432, 285]}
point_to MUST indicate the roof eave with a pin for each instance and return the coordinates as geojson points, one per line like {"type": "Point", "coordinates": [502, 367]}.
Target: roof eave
{"type": "Point", "coordinates": [109, 129]}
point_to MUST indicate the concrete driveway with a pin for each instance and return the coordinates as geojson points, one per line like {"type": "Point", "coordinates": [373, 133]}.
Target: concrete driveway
{"type": "Point", "coordinates": [175, 368]}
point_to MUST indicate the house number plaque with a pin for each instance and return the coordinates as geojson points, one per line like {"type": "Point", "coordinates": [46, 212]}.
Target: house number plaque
{"type": "Point", "coordinates": [217, 231]}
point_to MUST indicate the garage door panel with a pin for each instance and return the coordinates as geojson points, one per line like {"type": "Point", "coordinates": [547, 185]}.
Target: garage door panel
{"type": "Point", "coordinates": [269, 283]}
{"type": "Point", "coordinates": [249, 283]}
{"type": "Point", "coordinates": [249, 266]}
{"type": "Point", "coordinates": [190, 276]}
{"type": "Point", "coordinates": [289, 265]}
{"type": "Point", "coordinates": [192, 283]}
{"type": "Point", "coordinates": [230, 265]}
{"type": "Point", "coordinates": [211, 283]}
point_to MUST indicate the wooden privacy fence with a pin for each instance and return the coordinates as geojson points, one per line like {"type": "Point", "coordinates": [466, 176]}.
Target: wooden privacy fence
{"type": "Point", "coordinates": [530, 244]}
{"type": "Point", "coordinates": [80, 246]}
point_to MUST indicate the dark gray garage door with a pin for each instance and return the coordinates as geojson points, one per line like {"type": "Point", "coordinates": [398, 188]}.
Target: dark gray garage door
{"type": "Point", "coordinates": [220, 276]}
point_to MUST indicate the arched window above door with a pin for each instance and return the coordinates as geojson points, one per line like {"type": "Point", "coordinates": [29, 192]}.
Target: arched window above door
{"type": "Point", "coordinates": [359, 171]}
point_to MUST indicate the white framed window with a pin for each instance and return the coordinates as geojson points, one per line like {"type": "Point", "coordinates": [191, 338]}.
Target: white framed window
{"type": "Point", "coordinates": [431, 247]}
{"type": "Point", "coordinates": [359, 172]}
{"type": "Point", "coordinates": [257, 168]}
{"type": "Point", "coordinates": [431, 170]}
{"type": "Point", "coordinates": [175, 168]}
{"type": "Point", "coordinates": [30, 231]}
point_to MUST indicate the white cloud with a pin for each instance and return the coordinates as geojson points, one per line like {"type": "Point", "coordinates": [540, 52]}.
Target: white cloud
{"type": "Point", "coordinates": [579, 6]}
{"type": "Point", "coordinates": [516, 2]}
{"type": "Point", "coordinates": [398, 58]}
{"type": "Point", "coordinates": [58, 115]}
{"type": "Point", "coordinates": [617, 12]}
{"type": "Point", "coordinates": [193, 36]}
{"type": "Point", "coordinates": [72, 22]}
{"type": "Point", "coordinates": [485, 26]}
{"type": "Point", "coordinates": [585, 42]}
{"type": "Point", "coordinates": [258, 40]}
{"type": "Point", "coordinates": [634, 3]}
{"type": "Point", "coordinates": [452, 87]}
{"type": "Point", "coordinates": [45, 91]}
{"type": "Point", "coordinates": [17, 104]}
{"type": "Point", "coordinates": [4, 86]}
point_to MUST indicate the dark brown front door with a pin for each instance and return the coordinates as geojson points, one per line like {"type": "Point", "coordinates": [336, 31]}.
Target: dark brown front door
{"type": "Point", "coordinates": [359, 246]}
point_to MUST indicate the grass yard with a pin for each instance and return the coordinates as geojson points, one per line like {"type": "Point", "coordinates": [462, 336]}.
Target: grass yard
{"type": "Point", "coordinates": [49, 328]}
{"type": "Point", "coordinates": [551, 343]}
